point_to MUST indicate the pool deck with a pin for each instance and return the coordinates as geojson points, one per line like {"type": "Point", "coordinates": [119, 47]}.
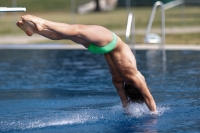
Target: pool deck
{"type": "Point", "coordinates": [25, 42]}
{"type": "Point", "coordinates": [76, 46]}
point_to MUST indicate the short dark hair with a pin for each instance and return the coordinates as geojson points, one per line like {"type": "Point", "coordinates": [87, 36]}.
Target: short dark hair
{"type": "Point", "coordinates": [133, 94]}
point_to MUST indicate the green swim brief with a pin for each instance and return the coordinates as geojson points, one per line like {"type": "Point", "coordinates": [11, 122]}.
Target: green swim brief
{"type": "Point", "coordinates": [104, 49]}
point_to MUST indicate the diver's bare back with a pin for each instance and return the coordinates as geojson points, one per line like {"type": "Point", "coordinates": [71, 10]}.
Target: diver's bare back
{"type": "Point", "coordinates": [124, 60]}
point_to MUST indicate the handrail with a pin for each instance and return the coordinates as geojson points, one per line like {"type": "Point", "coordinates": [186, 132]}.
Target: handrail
{"type": "Point", "coordinates": [158, 3]}
{"type": "Point", "coordinates": [130, 25]}
{"type": "Point", "coordinates": [173, 4]}
{"type": "Point", "coordinates": [163, 8]}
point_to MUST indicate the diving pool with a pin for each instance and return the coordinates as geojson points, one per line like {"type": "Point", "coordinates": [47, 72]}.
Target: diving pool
{"type": "Point", "coordinates": [48, 91]}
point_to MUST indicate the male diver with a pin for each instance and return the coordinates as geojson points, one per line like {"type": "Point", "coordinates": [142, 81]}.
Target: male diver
{"type": "Point", "coordinates": [128, 81]}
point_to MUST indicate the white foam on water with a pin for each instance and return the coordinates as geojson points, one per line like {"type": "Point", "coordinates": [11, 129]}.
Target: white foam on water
{"type": "Point", "coordinates": [78, 118]}
{"type": "Point", "coordinates": [67, 120]}
{"type": "Point", "coordinates": [140, 110]}
{"type": "Point", "coordinates": [70, 118]}
{"type": "Point", "coordinates": [54, 120]}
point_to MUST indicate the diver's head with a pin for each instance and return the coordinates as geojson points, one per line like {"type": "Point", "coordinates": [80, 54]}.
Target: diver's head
{"type": "Point", "coordinates": [133, 94]}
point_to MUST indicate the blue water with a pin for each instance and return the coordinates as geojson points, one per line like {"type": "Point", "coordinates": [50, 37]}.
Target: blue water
{"type": "Point", "coordinates": [59, 91]}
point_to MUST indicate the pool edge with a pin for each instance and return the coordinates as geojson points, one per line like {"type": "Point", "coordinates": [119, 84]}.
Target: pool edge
{"type": "Point", "coordinates": [80, 47]}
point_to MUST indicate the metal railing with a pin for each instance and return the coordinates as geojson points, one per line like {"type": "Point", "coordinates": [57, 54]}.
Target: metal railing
{"type": "Point", "coordinates": [130, 29]}
{"type": "Point", "coordinates": [158, 3]}
{"type": "Point", "coordinates": [173, 4]}
{"type": "Point", "coordinates": [162, 43]}
{"type": "Point", "coordinates": [163, 8]}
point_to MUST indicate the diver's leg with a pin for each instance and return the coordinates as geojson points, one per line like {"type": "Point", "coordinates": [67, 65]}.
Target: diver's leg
{"type": "Point", "coordinates": [95, 34]}
{"type": "Point", "coordinates": [42, 24]}
{"type": "Point", "coordinates": [29, 28]}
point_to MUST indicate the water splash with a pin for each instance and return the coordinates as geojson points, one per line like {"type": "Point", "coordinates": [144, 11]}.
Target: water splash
{"type": "Point", "coordinates": [110, 114]}
{"type": "Point", "coordinates": [141, 110]}
{"type": "Point", "coordinates": [48, 121]}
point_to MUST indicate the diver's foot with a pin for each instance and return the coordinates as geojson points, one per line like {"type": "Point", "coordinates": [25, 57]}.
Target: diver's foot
{"type": "Point", "coordinates": [38, 22]}
{"type": "Point", "coordinates": [27, 27]}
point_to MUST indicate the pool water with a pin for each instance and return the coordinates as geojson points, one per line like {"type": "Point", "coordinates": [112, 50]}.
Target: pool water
{"type": "Point", "coordinates": [48, 91]}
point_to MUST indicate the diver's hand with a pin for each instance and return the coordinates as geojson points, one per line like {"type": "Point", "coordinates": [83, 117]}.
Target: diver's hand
{"type": "Point", "coordinates": [154, 113]}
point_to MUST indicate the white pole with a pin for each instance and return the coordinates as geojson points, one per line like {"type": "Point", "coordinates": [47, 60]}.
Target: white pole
{"type": "Point", "coordinates": [12, 9]}
{"type": "Point", "coordinates": [128, 27]}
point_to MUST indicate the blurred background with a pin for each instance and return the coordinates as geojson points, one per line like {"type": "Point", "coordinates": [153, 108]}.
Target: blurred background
{"type": "Point", "coordinates": [182, 22]}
